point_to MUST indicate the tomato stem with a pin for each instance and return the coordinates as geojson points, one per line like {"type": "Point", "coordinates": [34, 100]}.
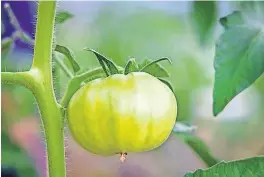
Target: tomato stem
{"type": "Point", "coordinates": [19, 78]}
{"type": "Point", "coordinates": [49, 109]}
{"type": "Point", "coordinates": [62, 66]}
{"type": "Point", "coordinates": [39, 80]}
{"type": "Point", "coordinates": [76, 82]}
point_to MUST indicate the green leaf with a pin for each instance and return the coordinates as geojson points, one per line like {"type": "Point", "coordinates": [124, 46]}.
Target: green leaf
{"type": "Point", "coordinates": [168, 83]}
{"type": "Point", "coordinates": [239, 57]}
{"type": "Point", "coordinates": [235, 18]}
{"type": "Point", "coordinates": [250, 167]}
{"type": "Point", "coordinates": [69, 54]}
{"type": "Point", "coordinates": [62, 16]}
{"type": "Point", "coordinates": [102, 59]}
{"type": "Point", "coordinates": [12, 155]}
{"type": "Point", "coordinates": [6, 47]}
{"type": "Point", "coordinates": [199, 147]}
{"type": "Point", "coordinates": [204, 17]}
{"type": "Point", "coordinates": [153, 68]}
{"type": "Point", "coordinates": [131, 66]}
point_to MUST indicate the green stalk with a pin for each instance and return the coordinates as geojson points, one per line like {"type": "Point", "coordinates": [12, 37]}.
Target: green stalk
{"type": "Point", "coordinates": [49, 109]}
{"type": "Point", "coordinates": [62, 66]}
{"type": "Point", "coordinates": [39, 80]}
{"type": "Point", "coordinates": [76, 82]}
{"type": "Point", "coordinates": [19, 78]}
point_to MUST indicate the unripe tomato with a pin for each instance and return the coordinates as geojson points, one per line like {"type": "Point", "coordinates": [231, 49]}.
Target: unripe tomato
{"type": "Point", "coordinates": [122, 113]}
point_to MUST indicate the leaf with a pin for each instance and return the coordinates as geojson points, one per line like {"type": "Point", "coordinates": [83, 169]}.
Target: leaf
{"type": "Point", "coordinates": [131, 66]}
{"type": "Point", "coordinates": [239, 57]}
{"type": "Point", "coordinates": [6, 47]}
{"type": "Point", "coordinates": [69, 54]}
{"type": "Point", "coordinates": [153, 68]}
{"type": "Point", "coordinates": [199, 147]}
{"type": "Point", "coordinates": [62, 16]}
{"type": "Point", "coordinates": [13, 156]}
{"type": "Point", "coordinates": [204, 17]}
{"type": "Point", "coordinates": [168, 83]}
{"type": "Point", "coordinates": [102, 59]}
{"type": "Point", "coordinates": [250, 167]}
{"type": "Point", "coordinates": [235, 18]}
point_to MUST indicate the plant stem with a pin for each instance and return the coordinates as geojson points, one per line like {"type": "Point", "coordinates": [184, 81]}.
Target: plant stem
{"type": "Point", "coordinates": [49, 109]}
{"type": "Point", "coordinates": [53, 127]}
{"type": "Point", "coordinates": [76, 82]}
{"type": "Point", "coordinates": [39, 80]}
{"type": "Point", "coordinates": [56, 78]}
{"type": "Point", "coordinates": [44, 36]}
{"type": "Point", "coordinates": [19, 78]}
{"type": "Point", "coordinates": [62, 65]}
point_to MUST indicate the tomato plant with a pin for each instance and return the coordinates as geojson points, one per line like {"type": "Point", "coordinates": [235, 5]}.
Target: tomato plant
{"type": "Point", "coordinates": [121, 109]}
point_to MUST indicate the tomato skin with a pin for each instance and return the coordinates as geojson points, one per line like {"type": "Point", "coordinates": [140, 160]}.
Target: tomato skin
{"type": "Point", "coordinates": [122, 113]}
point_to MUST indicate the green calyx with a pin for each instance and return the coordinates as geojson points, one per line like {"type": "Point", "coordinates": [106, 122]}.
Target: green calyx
{"type": "Point", "coordinates": [104, 62]}
{"type": "Point", "coordinates": [108, 68]}
{"type": "Point", "coordinates": [151, 67]}
{"type": "Point", "coordinates": [111, 68]}
{"type": "Point", "coordinates": [131, 66]}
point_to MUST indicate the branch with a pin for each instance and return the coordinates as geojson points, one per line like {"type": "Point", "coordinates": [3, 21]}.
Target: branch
{"type": "Point", "coordinates": [77, 81]}
{"type": "Point", "coordinates": [18, 78]}
{"type": "Point", "coordinates": [62, 65]}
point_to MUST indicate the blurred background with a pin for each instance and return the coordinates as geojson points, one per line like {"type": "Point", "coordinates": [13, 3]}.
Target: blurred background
{"type": "Point", "coordinates": [121, 30]}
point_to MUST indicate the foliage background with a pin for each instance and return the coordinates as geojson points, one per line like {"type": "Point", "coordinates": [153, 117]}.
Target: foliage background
{"type": "Point", "coordinates": [121, 30]}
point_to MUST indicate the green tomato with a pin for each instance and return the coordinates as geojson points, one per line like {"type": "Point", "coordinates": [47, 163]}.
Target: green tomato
{"type": "Point", "coordinates": [122, 113]}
